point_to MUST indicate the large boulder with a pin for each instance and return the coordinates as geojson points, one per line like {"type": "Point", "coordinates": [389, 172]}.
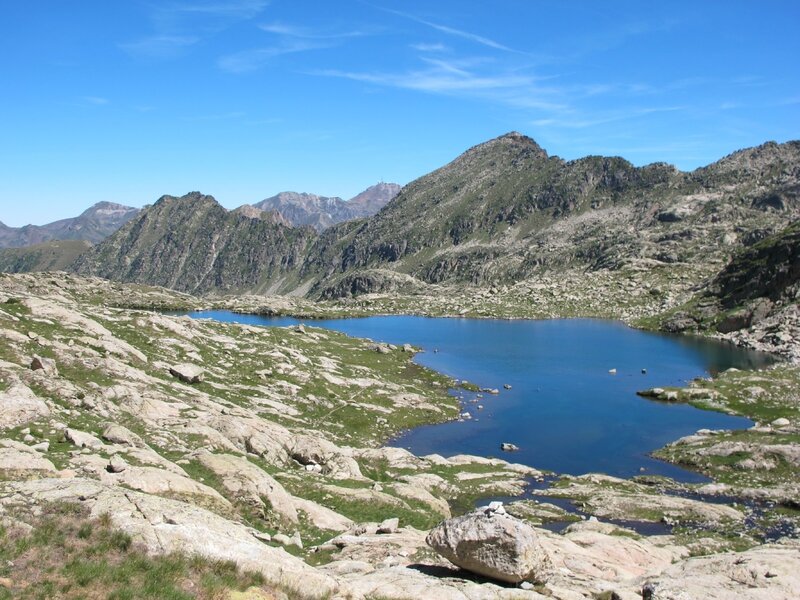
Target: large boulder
{"type": "Point", "coordinates": [45, 365]}
{"type": "Point", "coordinates": [187, 373]}
{"type": "Point", "coordinates": [18, 405]}
{"type": "Point", "coordinates": [492, 544]}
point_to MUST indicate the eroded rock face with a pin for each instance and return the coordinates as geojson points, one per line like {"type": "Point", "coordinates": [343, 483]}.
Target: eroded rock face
{"type": "Point", "coordinates": [493, 545]}
{"type": "Point", "coordinates": [245, 481]}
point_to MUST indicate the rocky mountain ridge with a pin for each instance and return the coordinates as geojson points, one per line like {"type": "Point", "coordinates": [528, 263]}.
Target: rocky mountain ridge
{"type": "Point", "coordinates": [92, 225]}
{"type": "Point", "coordinates": [506, 212]}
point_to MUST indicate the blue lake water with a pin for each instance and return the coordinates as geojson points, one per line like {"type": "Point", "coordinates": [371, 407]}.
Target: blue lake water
{"type": "Point", "coordinates": [564, 410]}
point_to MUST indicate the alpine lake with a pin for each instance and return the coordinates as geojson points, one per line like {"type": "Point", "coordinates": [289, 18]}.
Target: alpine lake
{"type": "Point", "coordinates": [562, 391]}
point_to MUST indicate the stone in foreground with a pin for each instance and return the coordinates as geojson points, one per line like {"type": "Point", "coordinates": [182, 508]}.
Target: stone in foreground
{"type": "Point", "coordinates": [187, 373]}
{"type": "Point", "coordinates": [492, 544]}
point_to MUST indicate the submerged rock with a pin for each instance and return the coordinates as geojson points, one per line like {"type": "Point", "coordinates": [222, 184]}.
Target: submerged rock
{"type": "Point", "coordinates": [492, 544]}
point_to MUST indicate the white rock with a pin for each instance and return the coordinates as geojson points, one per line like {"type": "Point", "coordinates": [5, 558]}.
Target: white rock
{"type": "Point", "coordinates": [389, 525]}
{"type": "Point", "coordinates": [117, 464]}
{"type": "Point", "coordinates": [82, 439]}
{"type": "Point", "coordinates": [493, 545]}
{"type": "Point", "coordinates": [45, 365]}
{"type": "Point", "coordinates": [18, 405]}
{"type": "Point", "coordinates": [187, 373]}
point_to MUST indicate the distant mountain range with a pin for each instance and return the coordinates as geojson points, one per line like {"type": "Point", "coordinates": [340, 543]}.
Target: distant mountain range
{"type": "Point", "coordinates": [288, 208]}
{"type": "Point", "coordinates": [321, 212]}
{"type": "Point", "coordinates": [92, 225]}
{"type": "Point", "coordinates": [499, 213]}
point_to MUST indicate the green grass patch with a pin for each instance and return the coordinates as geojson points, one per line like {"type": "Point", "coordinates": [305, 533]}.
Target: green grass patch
{"type": "Point", "coordinates": [67, 555]}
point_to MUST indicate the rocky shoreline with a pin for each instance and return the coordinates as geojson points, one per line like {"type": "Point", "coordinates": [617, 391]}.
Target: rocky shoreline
{"type": "Point", "coordinates": [268, 453]}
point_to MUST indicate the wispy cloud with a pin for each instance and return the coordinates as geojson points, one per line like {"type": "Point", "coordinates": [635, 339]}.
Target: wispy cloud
{"type": "Point", "coordinates": [289, 39]}
{"type": "Point", "coordinates": [437, 81]}
{"type": "Point", "coordinates": [467, 35]}
{"type": "Point", "coordinates": [180, 25]}
{"type": "Point", "coordinates": [160, 46]}
{"type": "Point", "coordinates": [238, 9]}
{"type": "Point", "coordinates": [466, 79]}
{"type": "Point", "coordinates": [423, 47]}
{"type": "Point", "coordinates": [96, 100]}
{"type": "Point", "coordinates": [251, 60]}
{"type": "Point", "coordinates": [296, 31]}
{"type": "Point", "coordinates": [579, 121]}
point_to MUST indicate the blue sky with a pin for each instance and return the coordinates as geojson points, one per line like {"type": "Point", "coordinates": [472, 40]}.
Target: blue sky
{"type": "Point", "coordinates": [127, 100]}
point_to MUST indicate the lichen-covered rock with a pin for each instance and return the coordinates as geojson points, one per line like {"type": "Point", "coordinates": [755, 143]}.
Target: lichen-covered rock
{"type": "Point", "coordinates": [117, 434]}
{"type": "Point", "coordinates": [493, 545]}
{"type": "Point", "coordinates": [18, 458]}
{"type": "Point", "coordinates": [82, 439]}
{"type": "Point", "coordinates": [771, 571]}
{"type": "Point", "coordinates": [18, 405]}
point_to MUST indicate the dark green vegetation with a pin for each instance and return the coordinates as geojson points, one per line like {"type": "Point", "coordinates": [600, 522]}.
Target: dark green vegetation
{"type": "Point", "coordinates": [48, 256]}
{"type": "Point", "coordinates": [760, 282]}
{"type": "Point", "coordinates": [193, 244]}
{"type": "Point", "coordinates": [64, 554]}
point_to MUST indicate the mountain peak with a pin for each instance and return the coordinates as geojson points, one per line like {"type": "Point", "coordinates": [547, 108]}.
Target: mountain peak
{"type": "Point", "coordinates": [320, 212]}
{"type": "Point", "coordinates": [514, 141]}
{"type": "Point", "coordinates": [191, 197]}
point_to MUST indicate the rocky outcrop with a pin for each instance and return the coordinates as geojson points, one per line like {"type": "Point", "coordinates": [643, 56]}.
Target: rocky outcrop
{"type": "Point", "coordinates": [753, 300]}
{"type": "Point", "coordinates": [492, 544]}
{"type": "Point", "coordinates": [20, 460]}
{"type": "Point", "coordinates": [188, 373]}
{"type": "Point", "coordinates": [246, 482]}
{"type": "Point", "coordinates": [771, 571]}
